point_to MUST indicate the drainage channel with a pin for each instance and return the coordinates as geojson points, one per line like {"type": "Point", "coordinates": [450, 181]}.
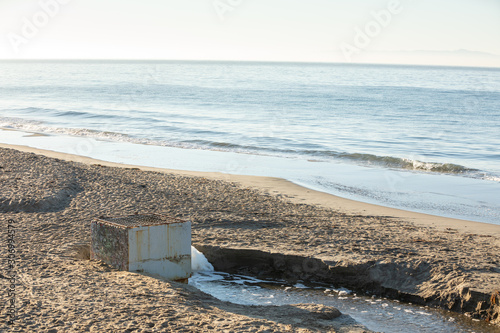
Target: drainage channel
{"type": "Point", "coordinates": [377, 314]}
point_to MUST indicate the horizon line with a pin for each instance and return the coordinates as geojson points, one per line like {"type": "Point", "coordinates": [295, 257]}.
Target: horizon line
{"type": "Point", "coordinates": [237, 61]}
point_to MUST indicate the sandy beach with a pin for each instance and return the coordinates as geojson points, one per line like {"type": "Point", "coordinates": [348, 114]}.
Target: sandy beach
{"type": "Point", "coordinates": [52, 197]}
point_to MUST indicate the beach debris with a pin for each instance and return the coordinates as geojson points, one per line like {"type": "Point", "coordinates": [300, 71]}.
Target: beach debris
{"type": "Point", "coordinates": [151, 243]}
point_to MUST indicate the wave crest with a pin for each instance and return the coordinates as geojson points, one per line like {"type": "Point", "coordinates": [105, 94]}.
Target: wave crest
{"type": "Point", "coordinates": [319, 155]}
{"type": "Point", "coordinates": [405, 163]}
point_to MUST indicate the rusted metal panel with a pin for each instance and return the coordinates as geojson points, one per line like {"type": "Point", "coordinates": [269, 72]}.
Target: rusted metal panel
{"type": "Point", "coordinates": [110, 244]}
{"type": "Point", "coordinates": [152, 243]}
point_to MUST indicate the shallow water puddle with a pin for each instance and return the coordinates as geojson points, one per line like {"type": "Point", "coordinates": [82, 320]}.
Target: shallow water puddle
{"type": "Point", "coordinates": [377, 314]}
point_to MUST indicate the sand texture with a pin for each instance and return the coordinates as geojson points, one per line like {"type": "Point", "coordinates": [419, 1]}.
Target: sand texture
{"type": "Point", "coordinates": [53, 201]}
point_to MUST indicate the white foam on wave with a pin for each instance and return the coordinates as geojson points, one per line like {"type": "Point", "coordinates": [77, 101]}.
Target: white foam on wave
{"type": "Point", "coordinates": [492, 178]}
{"type": "Point", "coordinates": [33, 126]}
{"type": "Point", "coordinates": [40, 127]}
{"type": "Point", "coordinates": [19, 123]}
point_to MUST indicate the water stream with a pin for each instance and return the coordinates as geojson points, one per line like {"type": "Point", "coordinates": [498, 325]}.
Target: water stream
{"type": "Point", "coordinates": [377, 314]}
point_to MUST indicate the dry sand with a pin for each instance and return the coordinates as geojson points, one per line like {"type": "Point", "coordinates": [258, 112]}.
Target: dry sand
{"type": "Point", "coordinates": [443, 261]}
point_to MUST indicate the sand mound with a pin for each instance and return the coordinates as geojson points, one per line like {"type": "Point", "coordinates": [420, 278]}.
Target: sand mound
{"type": "Point", "coordinates": [35, 188]}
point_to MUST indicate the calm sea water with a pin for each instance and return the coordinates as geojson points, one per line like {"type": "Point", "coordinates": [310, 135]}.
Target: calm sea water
{"type": "Point", "coordinates": [414, 121]}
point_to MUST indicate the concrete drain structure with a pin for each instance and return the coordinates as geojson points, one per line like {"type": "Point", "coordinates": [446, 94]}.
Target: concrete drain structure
{"type": "Point", "coordinates": [151, 243]}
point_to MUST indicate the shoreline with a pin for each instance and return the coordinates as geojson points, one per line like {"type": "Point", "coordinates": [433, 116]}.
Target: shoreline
{"type": "Point", "coordinates": [435, 194]}
{"type": "Point", "coordinates": [294, 193]}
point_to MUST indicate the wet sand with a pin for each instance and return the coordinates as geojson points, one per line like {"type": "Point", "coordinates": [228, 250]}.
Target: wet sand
{"type": "Point", "coordinates": [452, 263]}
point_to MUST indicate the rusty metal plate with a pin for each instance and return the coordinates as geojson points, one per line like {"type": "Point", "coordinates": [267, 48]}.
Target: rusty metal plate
{"type": "Point", "coordinates": [139, 220]}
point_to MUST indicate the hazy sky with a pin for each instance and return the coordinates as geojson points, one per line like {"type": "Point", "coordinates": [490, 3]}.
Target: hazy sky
{"type": "Point", "coordinates": [277, 30]}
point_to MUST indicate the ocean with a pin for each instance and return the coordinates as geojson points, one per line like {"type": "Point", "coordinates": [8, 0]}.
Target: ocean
{"type": "Point", "coordinates": [424, 139]}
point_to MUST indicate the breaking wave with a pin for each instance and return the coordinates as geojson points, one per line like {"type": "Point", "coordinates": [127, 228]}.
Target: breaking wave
{"type": "Point", "coordinates": [313, 155]}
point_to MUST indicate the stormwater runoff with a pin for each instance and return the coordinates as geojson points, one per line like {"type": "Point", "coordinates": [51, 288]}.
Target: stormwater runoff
{"type": "Point", "coordinates": [377, 314]}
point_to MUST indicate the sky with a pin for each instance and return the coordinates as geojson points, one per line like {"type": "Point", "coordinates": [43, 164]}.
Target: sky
{"type": "Point", "coordinates": [438, 32]}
